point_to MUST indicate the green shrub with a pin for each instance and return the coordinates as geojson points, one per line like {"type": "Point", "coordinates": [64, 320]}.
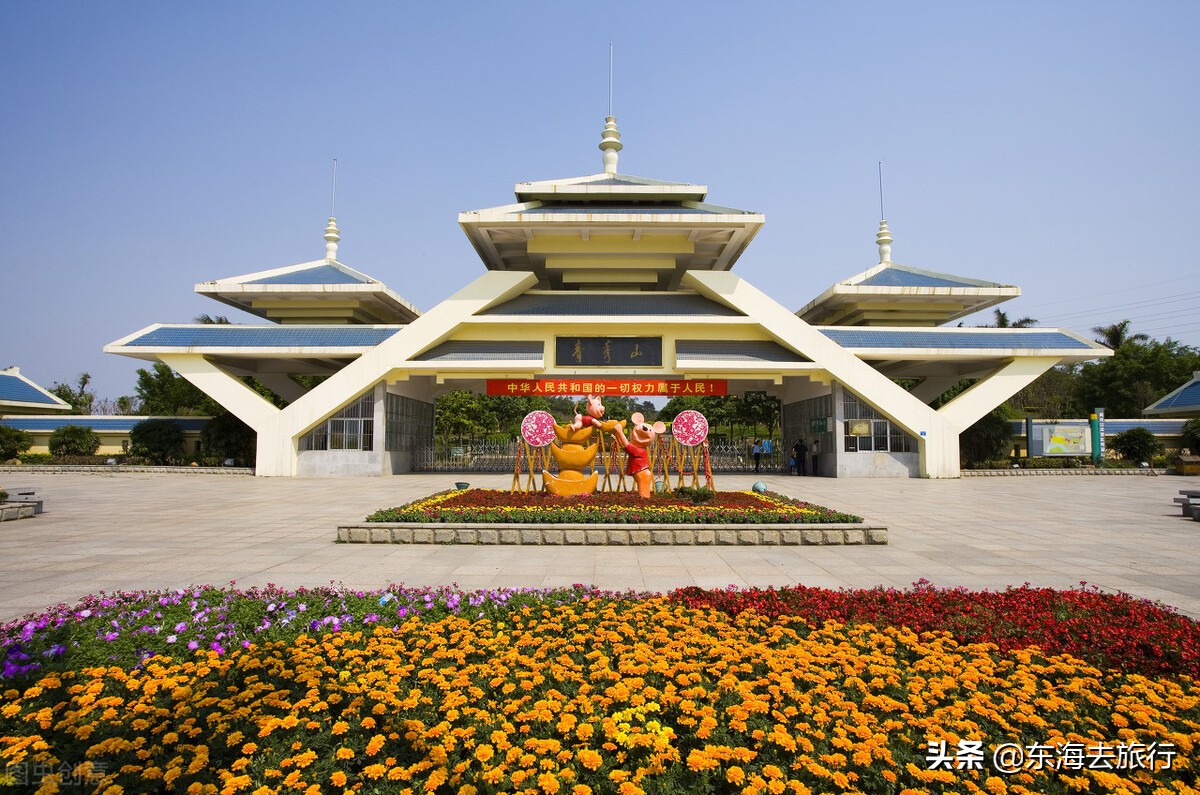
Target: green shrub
{"type": "Point", "coordinates": [74, 440]}
{"type": "Point", "coordinates": [1136, 444]}
{"type": "Point", "coordinates": [35, 459]}
{"type": "Point", "coordinates": [1190, 438]}
{"type": "Point", "coordinates": [3, 495]}
{"type": "Point", "coordinates": [1054, 462]}
{"type": "Point", "coordinates": [161, 441]}
{"type": "Point", "coordinates": [13, 442]}
{"type": "Point", "coordinates": [988, 439]}
{"type": "Point", "coordinates": [225, 436]}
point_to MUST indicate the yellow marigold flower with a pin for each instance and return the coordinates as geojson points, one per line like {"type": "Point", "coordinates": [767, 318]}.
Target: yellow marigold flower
{"type": "Point", "coordinates": [338, 779]}
{"type": "Point", "coordinates": [995, 785]}
{"type": "Point", "coordinates": [548, 783]}
{"type": "Point", "coordinates": [735, 775]}
{"type": "Point", "coordinates": [374, 771]}
{"type": "Point", "coordinates": [375, 745]}
{"type": "Point", "coordinates": [249, 748]}
{"type": "Point", "coordinates": [629, 788]}
{"type": "Point", "coordinates": [484, 752]}
{"type": "Point", "coordinates": [340, 728]}
{"type": "Point", "coordinates": [467, 789]}
{"type": "Point", "coordinates": [344, 753]}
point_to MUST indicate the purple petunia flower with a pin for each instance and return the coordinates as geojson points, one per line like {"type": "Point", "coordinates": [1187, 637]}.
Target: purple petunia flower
{"type": "Point", "coordinates": [193, 645]}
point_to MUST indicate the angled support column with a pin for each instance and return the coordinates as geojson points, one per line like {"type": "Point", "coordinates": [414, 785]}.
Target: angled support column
{"type": "Point", "coordinates": [933, 388]}
{"type": "Point", "coordinates": [937, 440]}
{"type": "Point", "coordinates": [987, 393]}
{"type": "Point", "coordinates": [282, 385]}
{"type": "Point", "coordinates": [373, 366]}
{"type": "Point", "coordinates": [228, 390]}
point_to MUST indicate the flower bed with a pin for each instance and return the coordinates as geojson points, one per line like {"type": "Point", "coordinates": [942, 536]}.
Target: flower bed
{"type": "Point", "coordinates": [568, 691]}
{"type": "Point", "coordinates": [682, 507]}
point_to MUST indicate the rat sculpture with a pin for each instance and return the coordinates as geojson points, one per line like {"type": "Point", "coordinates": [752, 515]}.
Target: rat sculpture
{"type": "Point", "coordinates": [641, 436]}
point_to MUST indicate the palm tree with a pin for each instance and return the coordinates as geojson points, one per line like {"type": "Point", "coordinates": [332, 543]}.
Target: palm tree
{"type": "Point", "coordinates": [1002, 321]}
{"type": "Point", "coordinates": [211, 320]}
{"type": "Point", "coordinates": [1117, 334]}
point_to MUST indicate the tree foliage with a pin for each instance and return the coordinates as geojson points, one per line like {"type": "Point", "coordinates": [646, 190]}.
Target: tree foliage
{"type": "Point", "coordinates": [79, 396]}
{"type": "Point", "coordinates": [1117, 334]}
{"type": "Point", "coordinates": [162, 392]}
{"type": "Point", "coordinates": [1136, 375]}
{"type": "Point", "coordinates": [1136, 444]}
{"type": "Point", "coordinates": [225, 436]}
{"type": "Point", "coordinates": [1190, 438]}
{"type": "Point", "coordinates": [160, 440]}
{"type": "Point", "coordinates": [13, 442]}
{"type": "Point", "coordinates": [74, 440]}
{"type": "Point", "coordinates": [988, 439]}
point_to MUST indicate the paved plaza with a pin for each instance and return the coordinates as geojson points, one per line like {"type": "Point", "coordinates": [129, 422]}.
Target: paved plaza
{"type": "Point", "coordinates": [117, 531]}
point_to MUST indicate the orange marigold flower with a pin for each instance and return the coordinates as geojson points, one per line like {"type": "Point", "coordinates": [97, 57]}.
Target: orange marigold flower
{"type": "Point", "coordinates": [338, 779]}
{"type": "Point", "coordinates": [344, 753]}
{"type": "Point", "coordinates": [548, 783]}
{"type": "Point", "coordinates": [590, 759]}
{"type": "Point", "coordinates": [484, 752]}
{"type": "Point", "coordinates": [581, 789]}
{"type": "Point", "coordinates": [374, 771]}
{"type": "Point", "coordinates": [735, 775]}
{"type": "Point", "coordinates": [375, 745]}
{"type": "Point", "coordinates": [340, 728]}
{"type": "Point", "coordinates": [698, 760]}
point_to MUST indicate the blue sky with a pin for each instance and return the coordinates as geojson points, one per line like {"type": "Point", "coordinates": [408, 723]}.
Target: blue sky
{"type": "Point", "coordinates": [150, 146]}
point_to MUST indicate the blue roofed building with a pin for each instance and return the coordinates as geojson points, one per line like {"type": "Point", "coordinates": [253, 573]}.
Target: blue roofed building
{"type": "Point", "coordinates": [606, 283]}
{"type": "Point", "coordinates": [1184, 402]}
{"type": "Point", "coordinates": [19, 395]}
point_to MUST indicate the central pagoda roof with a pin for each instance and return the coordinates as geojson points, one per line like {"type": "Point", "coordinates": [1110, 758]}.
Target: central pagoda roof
{"type": "Point", "coordinates": [610, 231]}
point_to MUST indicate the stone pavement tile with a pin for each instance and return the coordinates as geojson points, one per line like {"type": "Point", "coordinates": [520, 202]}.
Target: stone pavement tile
{"type": "Point", "coordinates": [134, 531]}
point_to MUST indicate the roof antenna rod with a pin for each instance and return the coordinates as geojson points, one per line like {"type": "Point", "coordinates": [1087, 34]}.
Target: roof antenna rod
{"type": "Point", "coordinates": [881, 215]}
{"type": "Point", "coordinates": [610, 76]}
{"type": "Point", "coordinates": [333, 191]}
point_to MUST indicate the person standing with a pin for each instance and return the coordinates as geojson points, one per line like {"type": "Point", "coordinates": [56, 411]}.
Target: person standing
{"type": "Point", "coordinates": [800, 455]}
{"type": "Point", "coordinates": [816, 453]}
{"type": "Point", "coordinates": [756, 451]}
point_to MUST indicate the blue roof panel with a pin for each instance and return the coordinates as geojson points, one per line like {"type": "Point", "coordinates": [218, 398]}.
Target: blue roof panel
{"type": "Point", "coordinates": [222, 336]}
{"type": "Point", "coordinates": [895, 277]}
{"type": "Point", "coordinates": [1186, 398]}
{"type": "Point", "coordinates": [118, 424]}
{"type": "Point", "coordinates": [17, 390]}
{"type": "Point", "coordinates": [854, 337]}
{"type": "Point", "coordinates": [320, 274]}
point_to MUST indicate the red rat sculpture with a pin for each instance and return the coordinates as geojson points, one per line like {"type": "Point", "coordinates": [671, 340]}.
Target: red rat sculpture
{"type": "Point", "coordinates": [594, 414]}
{"type": "Point", "coordinates": [636, 448]}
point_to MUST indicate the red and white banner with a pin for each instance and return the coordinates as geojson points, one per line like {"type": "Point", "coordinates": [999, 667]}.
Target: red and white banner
{"type": "Point", "coordinates": [652, 387]}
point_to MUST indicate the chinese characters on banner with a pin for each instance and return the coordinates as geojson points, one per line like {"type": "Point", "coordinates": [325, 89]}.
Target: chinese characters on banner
{"type": "Point", "coordinates": [624, 386]}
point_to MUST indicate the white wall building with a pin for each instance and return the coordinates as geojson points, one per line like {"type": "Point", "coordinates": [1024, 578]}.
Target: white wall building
{"type": "Point", "coordinates": [607, 282]}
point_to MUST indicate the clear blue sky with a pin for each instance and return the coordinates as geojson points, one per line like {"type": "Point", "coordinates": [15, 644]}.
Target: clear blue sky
{"type": "Point", "coordinates": [150, 146]}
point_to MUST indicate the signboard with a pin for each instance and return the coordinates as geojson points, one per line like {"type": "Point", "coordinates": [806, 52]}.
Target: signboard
{"type": "Point", "coordinates": [608, 351]}
{"type": "Point", "coordinates": [1066, 440]}
{"type": "Point", "coordinates": [860, 428]}
{"type": "Point", "coordinates": [608, 386]}
{"type": "Point", "coordinates": [818, 425]}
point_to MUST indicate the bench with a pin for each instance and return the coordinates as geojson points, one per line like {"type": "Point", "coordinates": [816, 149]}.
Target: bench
{"type": "Point", "coordinates": [26, 496]}
{"type": "Point", "coordinates": [1190, 505]}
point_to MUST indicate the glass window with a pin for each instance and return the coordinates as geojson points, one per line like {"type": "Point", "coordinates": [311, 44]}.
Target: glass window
{"type": "Point", "coordinates": [352, 428]}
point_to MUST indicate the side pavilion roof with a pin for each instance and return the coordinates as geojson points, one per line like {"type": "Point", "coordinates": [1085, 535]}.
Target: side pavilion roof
{"type": "Point", "coordinates": [1183, 402]}
{"type": "Point", "coordinates": [19, 395]}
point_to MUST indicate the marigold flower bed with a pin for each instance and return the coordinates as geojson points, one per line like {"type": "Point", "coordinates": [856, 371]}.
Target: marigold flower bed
{"type": "Point", "coordinates": [497, 506]}
{"type": "Point", "coordinates": [559, 691]}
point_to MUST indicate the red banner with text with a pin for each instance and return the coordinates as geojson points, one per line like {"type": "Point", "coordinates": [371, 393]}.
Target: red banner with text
{"type": "Point", "coordinates": [652, 387]}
